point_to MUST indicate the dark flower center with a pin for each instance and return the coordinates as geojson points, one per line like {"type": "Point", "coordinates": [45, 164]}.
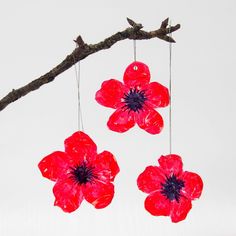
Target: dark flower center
{"type": "Point", "coordinates": [171, 188]}
{"type": "Point", "coordinates": [83, 173]}
{"type": "Point", "coordinates": [134, 99]}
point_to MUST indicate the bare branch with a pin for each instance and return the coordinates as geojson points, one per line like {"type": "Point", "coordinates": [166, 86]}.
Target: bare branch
{"type": "Point", "coordinates": [83, 50]}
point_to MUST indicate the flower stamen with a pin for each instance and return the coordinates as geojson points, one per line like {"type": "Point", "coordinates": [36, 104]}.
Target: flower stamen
{"type": "Point", "coordinates": [134, 100]}
{"type": "Point", "coordinates": [172, 187]}
{"type": "Point", "coordinates": [83, 173]}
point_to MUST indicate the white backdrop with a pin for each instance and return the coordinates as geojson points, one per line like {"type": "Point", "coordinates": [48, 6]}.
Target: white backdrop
{"type": "Point", "coordinates": [37, 35]}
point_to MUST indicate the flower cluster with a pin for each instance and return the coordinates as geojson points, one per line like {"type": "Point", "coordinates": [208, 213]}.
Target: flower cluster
{"type": "Point", "coordinates": [81, 173]}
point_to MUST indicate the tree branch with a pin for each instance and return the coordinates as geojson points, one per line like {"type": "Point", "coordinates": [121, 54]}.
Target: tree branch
{"type": "Point", "coordinates": [83, 50]}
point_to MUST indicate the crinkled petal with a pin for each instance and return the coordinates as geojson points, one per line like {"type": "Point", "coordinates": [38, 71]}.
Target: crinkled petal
{"type": "Point", "coordinates": [68, 195]}
{"type": "Point", "coordinates": [149, 120]}
{"type": "Point", "coordinates": [98, 193]}
{"type": "Point", "coordinates": [80, 147]}
{"type": "Point", "coordinates": [157, 95]}
{"type": "Point", "coordinates": [150, 179]}
{"type": "Point", "coordinates": [106, 167]}
{"type": "Point", "coordinates": [171, 164]}
{"type": "Point", "coordinates": [180, 209]}
{"type": "Point", "coordinates": [157, 204]}
{"type": "Point", "coordinates": [54, 165]}
{"type": "Point", "coordinates": [137, 75]}
{"type": "Point", "coordinates": [111, 93]}
{"type": "Point", "coordinates": [121, 121]}
{"type": "Point", "coordinates": [193, 185]}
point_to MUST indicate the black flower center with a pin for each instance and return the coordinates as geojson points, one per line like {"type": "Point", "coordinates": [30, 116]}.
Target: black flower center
{"type": "Point", "coordinates": [83, 173]}
{"type": "Point", "coordinates": [134, 99]}
{"type": "Point", "coordinates": [171, 188]}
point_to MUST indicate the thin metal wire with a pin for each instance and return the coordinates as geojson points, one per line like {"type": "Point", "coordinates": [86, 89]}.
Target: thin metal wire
{"type": "Point", "coordinates": [135, 50]}
{"type": "Point", "coordinates": [170, 93]}
{"type": "Point", "coordinates": [77, 76]}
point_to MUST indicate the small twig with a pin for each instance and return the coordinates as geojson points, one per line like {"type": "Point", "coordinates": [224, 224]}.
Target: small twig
{"type": "Point", "coordinates": [80, 42]}
{"type": "Point", "coordinates": [83, 50]}
{"type": "Point", "coordinates": [164, 23]}
{"type": "Point", "coordinates": [134, 24]}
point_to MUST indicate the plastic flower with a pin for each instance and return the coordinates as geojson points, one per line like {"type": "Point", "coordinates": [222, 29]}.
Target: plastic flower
{"type": "Point", "coordinates": [80, 173]}
{"type": "Point", "coordinates": [134, 100]}
{"type": "Point", "coordinates": [170, 189]}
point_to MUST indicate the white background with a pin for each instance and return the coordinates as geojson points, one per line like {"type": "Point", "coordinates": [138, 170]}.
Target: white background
{"type": "Point", "coordinates": [37, 35]}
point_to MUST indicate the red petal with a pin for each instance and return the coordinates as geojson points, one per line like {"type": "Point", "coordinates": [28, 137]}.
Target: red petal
{"type": "Point", "coordinates": [106, 166]}
{"type": "Point", "coordinates": [193, 185]}
{"type": "Point", "coordinates": [157, 95]}
{"type": "Point", "coordinates": [171, 164]}
{"type": "Point", "coordinates": [157, 204]}
{"type": "Point", "coordinates": [54, 165]}
{"type": "Point", "coordinates": [150, 180]}
{"type": "Point", "coordinates": [137, 74]}
{"type": "Point", "coordinates": [111, 93]}
{"type": "Point", "coordinates": [180, 209]}
{"type": "Point", "coordinates": [121, 121]}
{"type": "Point", "coordinates": [149, 120]}
{"type": "Point", "coordinates": [99, 194]}
{"type": "Point", "coordinates": [68, 195]}
{"type": "Point", "coordinates": [80, 147]}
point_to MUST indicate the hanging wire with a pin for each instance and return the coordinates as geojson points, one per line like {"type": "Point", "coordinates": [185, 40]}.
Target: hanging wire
{"type": "Point", "coordinates": [134, 45]}
{"type": "Point", "coordinates": [170, 91]}
{"type": "Point", "coordinates": [77, 76]}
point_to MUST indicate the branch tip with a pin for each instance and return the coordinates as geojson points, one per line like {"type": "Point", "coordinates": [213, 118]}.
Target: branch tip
{"type": "Point", "coordinates": [172, 29]}
{"type": "Point", "coordinates": [164, 23]}
{"type": "Point", "coordinates": [134, 24]}
{"type": "Point", "coordinates": [177, 26]}
{"type": "Point", "coordinates": [170, 39]}
{"type": "Point", "coordinates": [79, 41]}
{"type": "Point", "coordinates": [131, 22]}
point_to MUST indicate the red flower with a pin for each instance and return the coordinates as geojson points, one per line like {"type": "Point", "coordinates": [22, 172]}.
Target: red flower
{"type": "Point", "coordinates": [170, 188]}
{"type": "Point", "coordinates": [134, 100]}
{"type": "Point", "coordinates": [80, 173]}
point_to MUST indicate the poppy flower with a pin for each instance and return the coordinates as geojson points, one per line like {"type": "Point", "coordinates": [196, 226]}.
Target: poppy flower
{"type": "Point", "coordinates": [135, 100]}
{"type": "Point", "coordinates": [170, 189]}
{"type": "Point", "coordinates": [80, 173]}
